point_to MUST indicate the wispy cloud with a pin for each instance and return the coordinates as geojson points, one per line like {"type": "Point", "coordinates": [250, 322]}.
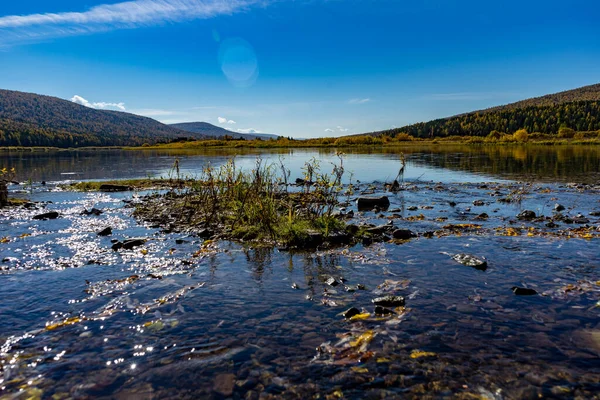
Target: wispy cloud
{"type": "Point", "coordinates": [359, 101]}
{"type": "Point", "coordinates": [342, 129]}
{"type": "Point", "coordinates": [101, 105]}
{"type": "Point", "coordinates": [153, 112]}
{"type": "Point", "coordinates": [329, 130]}
{"type": "Point", "coordinates": [250, 130]}
{"type": "Point", "coordinates": [106, 17]}
{"type": "Point", "coordinates": [223, 120]}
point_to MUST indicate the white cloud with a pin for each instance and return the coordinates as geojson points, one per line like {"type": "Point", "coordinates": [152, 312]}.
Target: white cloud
{"type": "Point", "coordinates": [342, 129]}
{"type": "Point", "coordinates": [152, 112]}
{"type": "Point", "coordinates": [329, 130]}
{"type": "Point", "coordinates": [248, 131]}
{"type": "Point", "coordinates": [223, 120]}
{"type": "Point", "coordinates": [359, 101]}
{"type": "Point", "coordinates": [106, 17]}
{"type": "Point", "coordinates": [101, 105]}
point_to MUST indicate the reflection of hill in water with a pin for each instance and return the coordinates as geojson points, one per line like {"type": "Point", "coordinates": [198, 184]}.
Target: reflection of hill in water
{"type": "Point", "coordinates": [546, 163]}
{"type": "Point", "coordinates": [549, 163]}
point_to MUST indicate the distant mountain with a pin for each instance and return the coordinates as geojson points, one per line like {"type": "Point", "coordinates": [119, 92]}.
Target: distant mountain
{"type": "Point", "coordinates": [28, 119]}
{"type": "Point", "coordinates": [205, 128]}
{"type": "Point", "coordinates": [578, 109]}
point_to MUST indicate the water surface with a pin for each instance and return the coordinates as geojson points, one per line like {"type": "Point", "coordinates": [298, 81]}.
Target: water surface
{"type": "Point", "coordinates": [184, 318]}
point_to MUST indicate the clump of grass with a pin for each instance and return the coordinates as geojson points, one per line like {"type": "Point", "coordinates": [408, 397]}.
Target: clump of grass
{"type": "Point", "coordinates": [252, 205]}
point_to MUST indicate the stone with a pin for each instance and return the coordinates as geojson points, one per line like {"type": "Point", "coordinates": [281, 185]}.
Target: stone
{"type": "Point", "coordinates": [519, 291]}
{"type": "Point", "coordinates": [482, 217]}
{"type": "Point", "coordinates": [403, 234]}
{"type": "Point", "coordinates": [526, 215]}
{"type": "Point", "coordinates": [379, 230]}
{"type": "Point", "coordinates": [48, 215]}
{"type": "Point", "coordinates": [331, 281]}
{"type": "Point", "coordinates": [478, 203]}
{"type": "Point", "coordinates": [470, 261]}
{"type": "Point", "coordinates": [224, 384]}
{"type": "Point", "coordinates": [105, 232]}
{"type": "Point", "coordinates": [382, 311]}
{"type": "Point", "coordinates": [131, 243]}
{"type": "Point", "coordinates": [93, 211]}
{"type": "Point", "coordinates": [389, 301]}
{"type": "Point", "coordinates": [351, 312]}
{"type": "Point", "coordinates": [559, 207]}
{"type": "Point", "coordinates": [368, 202]}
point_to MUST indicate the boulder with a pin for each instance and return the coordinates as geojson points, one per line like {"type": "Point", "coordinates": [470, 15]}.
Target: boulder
{"type": "Point", "coordinates": [559, 207]}
{"type": "Point", "coordinates": [369, 202]}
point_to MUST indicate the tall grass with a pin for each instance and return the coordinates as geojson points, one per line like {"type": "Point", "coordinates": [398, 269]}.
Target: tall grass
{"type": "Point", "coordinates": [251, 204]}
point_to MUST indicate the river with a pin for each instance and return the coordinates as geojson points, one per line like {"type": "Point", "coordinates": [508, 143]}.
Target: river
{"type": "Point", "coordinates": [180, 317]}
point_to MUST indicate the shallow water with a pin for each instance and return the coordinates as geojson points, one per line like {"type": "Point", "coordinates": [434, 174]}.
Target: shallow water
{"type": "Point", "coordinates": [180, 317]}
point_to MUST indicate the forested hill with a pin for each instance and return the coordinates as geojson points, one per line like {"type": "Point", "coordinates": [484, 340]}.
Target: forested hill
{"type": "Point", "coordinates": [578, 109]}
{"type": "Point", "coordinates": [28, 119]}
{"type": "Point", "coordinates": [211, 130]}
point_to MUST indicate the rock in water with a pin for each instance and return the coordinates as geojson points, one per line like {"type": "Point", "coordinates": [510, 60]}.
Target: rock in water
{"type": "Point", "coordinates": [224, 384]}
{"type": "Point", "coordinates": [403, 234]}
{"type": "Point", "coordinates": [105, 232]}
{"type": "Point", "coordinates": [351, 312]}
{"type": "Point", "coordinates": [389, 301]}
{"type": "Point", "coordinates": [93, 211]}
{"type": "Point", "coordinates": [470, 261]}
{"type": "Point", "coordinates": [526, 215]}
{"type": "Point", "coordinates": [131, 243]}
{"type": "Point", "coordinates": [367, 203]}
{"type": "Point", "coordinates": [559, 207]}
{"type": "Point", "coordinates": [382, 311]}
{"type": "Point", "coordinates": [48, 215]}
{"type": "Point", "coordinates": [519, 291]}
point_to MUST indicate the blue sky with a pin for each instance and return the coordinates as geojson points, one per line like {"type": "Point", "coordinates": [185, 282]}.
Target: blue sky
{"type": "Point", "coordinates": [298, 68]}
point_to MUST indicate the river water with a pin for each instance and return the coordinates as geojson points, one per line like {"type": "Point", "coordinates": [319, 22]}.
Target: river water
{"type": "Point", "coordinates": [180, 317]}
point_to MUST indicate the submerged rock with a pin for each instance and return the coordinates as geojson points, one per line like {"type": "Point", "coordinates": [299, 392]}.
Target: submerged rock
{"type": "Point", "coordinates": [526, 215]}
{"type": "Point", "coordinates": [48, 215]}
{"type": "Point", "coordinates": [389, 301]}
{"type": "Point", "coordinates": [519, 291]}
{"type": "Point", "coordinates": [470, 261]}
{"type": "Point", "coordinates": [224, 384]}
{"type": "Point", "coordinates": [559, 207]}
{"type": "Point", "coordinates": [368, 202]}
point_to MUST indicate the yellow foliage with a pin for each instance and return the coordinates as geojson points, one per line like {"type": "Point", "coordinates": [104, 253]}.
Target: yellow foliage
{"type": "Point", "coordinates": [419, 354]}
